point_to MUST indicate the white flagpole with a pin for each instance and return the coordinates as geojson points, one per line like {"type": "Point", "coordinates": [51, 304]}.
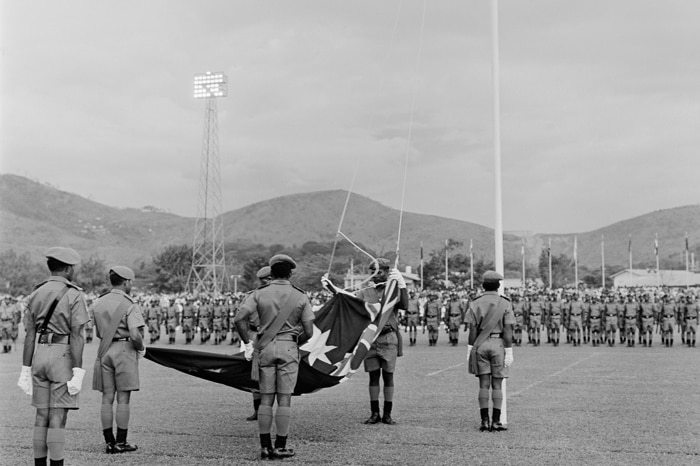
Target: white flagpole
{"type": "Point", "coordinates": [602, 259]}
{"type": "Point", "coordinates": [498, 224]}
{"type": "Point", "coordinates": [656, 253]}
{"type": "Point", "coordinates": [576, 262]}
{"type": "Point", "coordinates": [471, 263]}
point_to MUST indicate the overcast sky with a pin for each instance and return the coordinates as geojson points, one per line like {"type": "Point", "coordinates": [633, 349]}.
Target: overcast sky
{"type": "Point", "coordinates": [600, 103]}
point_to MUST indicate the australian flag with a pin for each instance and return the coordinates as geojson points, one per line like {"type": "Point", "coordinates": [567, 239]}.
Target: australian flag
{"type": "Point", "coordinates": [344, 329]}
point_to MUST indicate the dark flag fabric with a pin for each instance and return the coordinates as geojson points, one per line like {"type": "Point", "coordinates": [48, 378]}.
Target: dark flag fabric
{"type": "Point", "coordinates": [344, 329]}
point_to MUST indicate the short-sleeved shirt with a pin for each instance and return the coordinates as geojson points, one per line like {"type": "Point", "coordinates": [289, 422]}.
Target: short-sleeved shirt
{"type": "Point", "coordinates": [479, 308]}
{"type": "Point", "coordinates": [71, 310]}
{"type": "Point", "coordinates": [105, 308]}
{"type": "Point", "coordinates": [268, 300]}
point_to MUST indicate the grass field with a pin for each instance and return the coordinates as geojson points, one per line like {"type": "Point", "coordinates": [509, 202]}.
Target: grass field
{"type": "Point", "coordinates": [566, 405]}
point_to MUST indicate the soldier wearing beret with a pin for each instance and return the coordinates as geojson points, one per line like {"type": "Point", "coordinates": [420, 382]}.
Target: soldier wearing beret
{"type": "Point", "coordinates": [52, 373]}
{"type": "Point", "coordinates": [287, 319]}
{"type": "Point", "coordinates": [120, 326]}
{"type": "Point", "coordinates": [490, 352]}
{"type": "Point", "coordinates": [380, 361]}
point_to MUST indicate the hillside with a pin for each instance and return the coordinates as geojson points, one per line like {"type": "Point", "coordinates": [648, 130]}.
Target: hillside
{"type": "Point", "coordinates": [34, 216]}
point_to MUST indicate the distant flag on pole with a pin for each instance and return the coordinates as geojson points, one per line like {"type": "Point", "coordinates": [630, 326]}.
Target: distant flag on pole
{"type": "Point", "coordinates": [687, 248]}
{"type": "Point", "coordinates": [656, 245]}
{"type": "Point", "coordinates": [575, 248]}
{"type": "Point", "coordinates": [629, 250]}
{"type": "Point", "coordinates": [522, 248]}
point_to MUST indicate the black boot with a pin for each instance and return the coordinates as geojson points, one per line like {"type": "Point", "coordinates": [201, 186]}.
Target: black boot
{"type": "Point", "coordinates": [386, 418]}
{"type": "Point", "coordinates": [496, 425]}
{"type": "Point", "coordinates": [374, 407]}
{"type": "Point", "coordinates": [122, 446]}
{"type": "Point", "coordinates": [485, 422]}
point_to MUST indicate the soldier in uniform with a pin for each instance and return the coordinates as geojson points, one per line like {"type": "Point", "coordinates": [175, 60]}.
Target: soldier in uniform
{"type": "Point", "coordinates": [595, 316]}
{"type": "Point", "coordinates": [204, 320]}
{"type": "Point", "coordinates": [284, 311]}
{"type": "Point", "coordinates": [18, 311]}
{"type": "Point", "coordinates": [692, 314]}
{"type": "Point", "coordinates": [490, 352]}
{"type": "Point", "coordinates": [232, 308]}
{"type": "Point", "coordinates": [151, 316]}
{"type": "Point", "coordinates": [454, 316]}
{"type": "Point", "coordinates": [555, 314]}
{"type": "Point", "coordinates": [219, 313]}
{"type": "Point", "coordinates": [647, 314]}
{"type": "Point", "coordinates": [610, 321]}
{"type": "Point", "coordinates": [52, 373]}
{"type": "Point", "coordinates": [630, 313]}
{"type": "Point", "coordinates": [380, 361]}
{"type": "Point", "coordinates": [680, 317]}
{"type": "Point", "coordinates": [89, 326]}
{"type": "Point", "coordinates": [265, 277]}
{"type": "Point", "coordinates": [585, 323]}
{"type": "Point", "coordinates": [413, 317]}
{"type": "Point", "coordinates": [575, 313]}
{"type": "Point", "coordinates": [519, 314]}
{"type": "Point", "coordinates": [188, 315]}
{"type": "Point", "coordinates": [668, 320]}
{"type": "Point", "coordinates": [534, 320]}
{"type": "Point", "coordinates": [6, 319]}
{"type": "Point", "coordinates": [172, 320]}
{"type": "Point", "coordinates": [431, 310]}
{"type": "Point", "coordinates": [120, 326]}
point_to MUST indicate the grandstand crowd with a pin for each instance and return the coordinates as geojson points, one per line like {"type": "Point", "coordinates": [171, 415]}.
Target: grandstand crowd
{"type": "Point", "coordinates": [629, 316]}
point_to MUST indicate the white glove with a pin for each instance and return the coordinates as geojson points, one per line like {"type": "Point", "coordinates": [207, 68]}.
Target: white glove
{"type": "Point", "coordinates": [142, 352]}
{"type": "Point", "coordinates": [25, 380]}
{"type": "Point", "coordinates": [76, 383]}
{"type": "Point", "coordinates": [394, 274]}
{"type": "Point", "coordinates": [248, 353]}
{"type": "Point", "coordinates": [509, 357]}
{"type": "Point", "coordinates": [327, 284]}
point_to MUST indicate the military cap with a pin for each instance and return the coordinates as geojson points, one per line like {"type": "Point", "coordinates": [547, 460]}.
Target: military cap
{"type": "Point", "coordinates": [279, 258]}
{"type": "Point", "coordinates": [264, 272]}
{"type": "Point", "coordinates": [124, 272]}
{"type": "Point", "coordinates": [66, 255]}
{"type": "Point", "coordinates": [491, 276]}
{"type": "Point", "coordinates": [381, 262]}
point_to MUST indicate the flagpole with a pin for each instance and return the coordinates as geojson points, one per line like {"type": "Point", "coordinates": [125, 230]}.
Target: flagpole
{"type": "Point", "coordinates": [421, 265]}
{"type": "Point", "coordinates": [471, 263]}
{"type": "Point", "coordinates": [522, 253]}
{"type": "Point", "coordinates": [656, 253]}
{"type": "Point", "coordinates": [498, 224]}
{"type": "Point", "coordinates": [602, 257]}
{"type": "Point", "coordinates": [576, 262]}
{"type": "Point", "coordinates": [445, 263]}
{"type": "Point", "coordinates": [549, 253]}
{"type": "Point", "coordinates": [629, 251]}
{"type": "Point", "coordinates": [687, 263]}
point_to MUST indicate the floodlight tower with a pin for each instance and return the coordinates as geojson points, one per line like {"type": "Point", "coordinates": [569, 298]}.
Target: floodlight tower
{"type": "Point", "coordinates": [208, 265]}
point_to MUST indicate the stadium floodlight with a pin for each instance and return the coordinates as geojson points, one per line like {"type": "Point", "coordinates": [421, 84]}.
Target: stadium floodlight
{"type": "Point", "coordinates": [210, 85]}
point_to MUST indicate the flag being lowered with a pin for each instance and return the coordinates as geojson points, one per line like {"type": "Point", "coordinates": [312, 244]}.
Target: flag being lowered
{"type": "Point", "coordinates": [344, 329]}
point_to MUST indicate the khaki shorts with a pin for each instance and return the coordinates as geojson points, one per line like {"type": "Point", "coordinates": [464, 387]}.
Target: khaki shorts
{"type": "Point", "coordinates": [120, 368]}
{"type": "Point", "coordinates": [382, 354]}
{"type": "Point", "coordinates": [51, 369]}
{"type": "Point", "coordinates": [491, 355]}
{"type": "Point", "coordinates": [279, 367]}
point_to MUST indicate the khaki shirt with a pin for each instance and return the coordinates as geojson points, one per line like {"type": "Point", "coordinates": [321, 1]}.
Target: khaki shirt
{"type": "Point", "coordinates": [267, 302]}
{"type": "Point", "coordinates": [105, 308]}
{"type": "Point", "coordinates": [71, 310]}
{"type": "Point", "coordinates": [479, 308]}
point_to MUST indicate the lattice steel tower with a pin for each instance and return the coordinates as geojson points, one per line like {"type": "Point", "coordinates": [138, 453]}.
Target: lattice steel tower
{"type": "Point", "coordinates": [208, 271]}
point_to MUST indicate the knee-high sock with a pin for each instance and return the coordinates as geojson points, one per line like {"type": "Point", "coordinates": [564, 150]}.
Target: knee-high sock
{"type": "Point", "coordinates": [374, 392]}
{"type": "Point", "coordinates": [497, 397]}
{"type": "Point", "coordinates": [123, 412]}
{"type": "Point", "coordinates": [39, 442]}
{"type": "Point", "coordinates": [483, 398]}
{"type": "Point", "coordinates": [107, 416]}
{"type": "Point", "coordinates": [388, 393]}
{"type": "Point", "coordinates": [283, 417]}
{"type": "Point", "coordinates": [264, 419]}
{"type": "Point", "coordinates": [56, 441]}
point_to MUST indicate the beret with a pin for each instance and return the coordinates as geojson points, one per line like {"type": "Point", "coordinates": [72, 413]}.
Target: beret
{"type": "Point", "coordinates": [278, 258]}
{"type": "Point", "coordinates": [125, 272]}
{"type": "Point", "coordinates": [66, 255]}
{"type": "Point", "coordinates": [264, 272]}
{"type": "Point", "coordinates": [491, 276]}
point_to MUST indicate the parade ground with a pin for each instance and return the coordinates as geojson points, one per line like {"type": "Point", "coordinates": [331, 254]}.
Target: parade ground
{"type": "Point", "coordinates": [566, 406]}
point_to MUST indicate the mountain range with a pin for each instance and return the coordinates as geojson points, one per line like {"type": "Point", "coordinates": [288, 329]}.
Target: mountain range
{"type": "Point", "coordinates": [34, 216]}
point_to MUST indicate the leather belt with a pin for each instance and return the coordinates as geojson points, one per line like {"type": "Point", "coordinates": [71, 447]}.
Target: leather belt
{"type": "Point", "coordinates": [287, 337]}
{"type": "Point", "coordinates": [53, 338]}
{"type": "Point", "coordinates": [386, 330]}
{"type": "Point", "coordinates": [121, 339]}
{"type": "Point", "coordinates": [495, 335]}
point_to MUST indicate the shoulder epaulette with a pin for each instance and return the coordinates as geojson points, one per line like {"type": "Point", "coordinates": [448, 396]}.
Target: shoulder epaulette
{"type": "Point", "coordinates": [264, 285]}
{"type": "Point", "coordinates": [40, 285]}
{"type": "Point", "coordinates": [506, 298]}
{"type": "Point", "coordinates": [74, 286]}
{"type": "Point", "coordinates": [104, 294]}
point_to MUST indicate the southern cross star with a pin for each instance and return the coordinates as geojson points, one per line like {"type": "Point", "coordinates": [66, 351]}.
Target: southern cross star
{"type": "Point", "coordinates": [317, 347]}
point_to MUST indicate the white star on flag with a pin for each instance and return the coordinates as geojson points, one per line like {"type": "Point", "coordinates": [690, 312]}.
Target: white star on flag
{"type": "Point", "coordinates": [317, 348]}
